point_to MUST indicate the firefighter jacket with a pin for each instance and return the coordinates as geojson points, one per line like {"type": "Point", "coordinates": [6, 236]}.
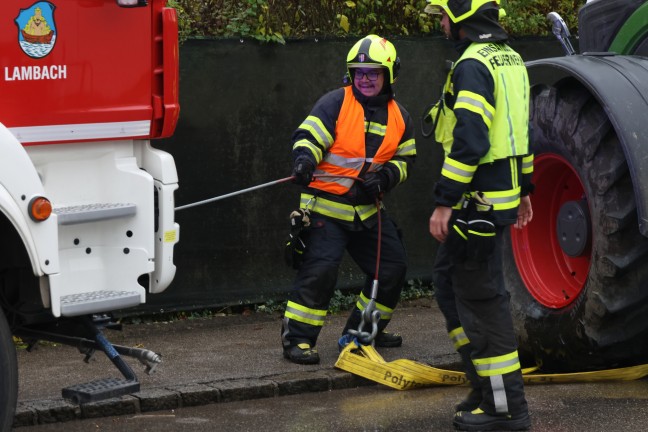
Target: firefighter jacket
{"type": "Point", "coordinates": [482, 121]}
{"type": "Point", "coordinates": [348, 134]}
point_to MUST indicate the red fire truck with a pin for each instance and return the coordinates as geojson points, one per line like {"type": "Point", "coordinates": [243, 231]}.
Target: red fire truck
{"type": "Point", "coordinates": [86, 202]}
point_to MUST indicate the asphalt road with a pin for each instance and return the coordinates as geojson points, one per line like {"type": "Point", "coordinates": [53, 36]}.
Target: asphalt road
{"type": "Point", "coordinates": [604, 407]}
{"type": "Point", "coordinates": [227, 373]}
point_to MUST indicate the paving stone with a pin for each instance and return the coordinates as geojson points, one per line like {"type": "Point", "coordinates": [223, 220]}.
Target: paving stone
{"type": "Point", "coordinates": [54, 410]}
{"type": "Point", "coordinates": [158, 399]}
{"type": "Point", "coordinates": [196, 394]}
{"type": "Point", "coordinates": [111, 407]}
{"type": "Point", "coordinates": [25, 415]}
{"type": "Point", "coordinates": [301, 382]}
{"type": "Point", "coordinates": [244, 389]}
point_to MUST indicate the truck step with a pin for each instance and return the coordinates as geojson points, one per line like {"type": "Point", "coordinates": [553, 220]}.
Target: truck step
{"type": "Point", "coordinates": [93, 212]}
{"type": "Point", "coordinates": [97, 301]}
{"type": "Point", "coordinates": [101, 389]}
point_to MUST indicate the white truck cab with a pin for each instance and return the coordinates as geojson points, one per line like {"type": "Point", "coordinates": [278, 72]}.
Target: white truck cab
{"type": "Point", "coordinates": [86, 202]}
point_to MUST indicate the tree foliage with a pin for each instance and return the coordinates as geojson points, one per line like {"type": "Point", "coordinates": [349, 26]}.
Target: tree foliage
{"type": "Point", "coordinates": [276, 20]}
{"type": "Point", "coordinates": [529, 17]}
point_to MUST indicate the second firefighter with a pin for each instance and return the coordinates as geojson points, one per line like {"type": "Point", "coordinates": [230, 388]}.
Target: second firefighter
{"type": "Point", "coordinates": [356, 144]}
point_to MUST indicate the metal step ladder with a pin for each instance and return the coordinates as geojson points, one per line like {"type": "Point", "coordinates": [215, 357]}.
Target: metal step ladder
{"type": "Point", "coordinates": [93, 212]}
{"type": "Point", "coordinates": [104, 388]}
{"type": "Point", "coordinates": [91, 266]}
{"type": "Point", "coordinates": [100, 389]}
{"type": "Point", "coordinates": [88, 302]}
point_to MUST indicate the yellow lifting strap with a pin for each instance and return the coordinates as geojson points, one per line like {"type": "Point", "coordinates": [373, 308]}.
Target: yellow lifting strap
{"type": "Point", "coordinates": [405, 374]}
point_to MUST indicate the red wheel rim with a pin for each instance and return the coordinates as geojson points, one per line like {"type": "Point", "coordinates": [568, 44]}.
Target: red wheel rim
{"type": "Point", "coordinates": [553, 278]}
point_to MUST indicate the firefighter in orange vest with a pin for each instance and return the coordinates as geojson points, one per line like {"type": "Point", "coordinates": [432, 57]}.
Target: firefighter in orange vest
{"type": "Point", "coordinates": [356, 144]}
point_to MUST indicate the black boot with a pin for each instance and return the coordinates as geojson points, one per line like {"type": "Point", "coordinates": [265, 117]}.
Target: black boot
{"type": "Point", "coordinates": [388, 340]}
{"type": "Point", "coordinates": [478, 420]}
{"type": "Point", "coordinates": [385, 339]}
{"type": "Point", "coordinates": [302, 354]}
{"type": "Point", "coordinates": [513, 412]}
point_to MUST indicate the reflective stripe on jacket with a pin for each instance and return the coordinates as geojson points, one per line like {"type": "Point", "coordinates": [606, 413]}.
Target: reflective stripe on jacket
{"type": "Point", "coordinates": [347, 155]}
{"type": "Point", "coordinates": [508, 129]}
{"type": "Point", "coordinates": [336, 210]}
{"type": "Point", "coordinates": [505, 116]}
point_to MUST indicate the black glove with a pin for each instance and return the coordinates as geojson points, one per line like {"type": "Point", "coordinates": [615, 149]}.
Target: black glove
{"type": "Point", "coordinates": [375, 184]}
{"type": "Point", "coordinates": [303, 171]}
{"type": "Point", "coordinates": [295, 246]}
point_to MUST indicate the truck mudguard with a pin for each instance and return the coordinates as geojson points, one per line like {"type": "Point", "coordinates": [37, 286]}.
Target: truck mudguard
{"type": "Point", "coordinates": [616, 83]}
{"type": "Point", "coordinates": [19, 183]}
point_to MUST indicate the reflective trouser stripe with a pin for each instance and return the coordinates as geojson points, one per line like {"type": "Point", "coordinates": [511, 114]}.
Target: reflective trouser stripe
{"type": "Point", "coordinates": [385, 312]}
{"type": "Point", "coordinates": [495, 368]}
{"type": "Point", "coordinates": [305, 315]}
{"type": "Point", "coordinates": [458, 338]}
{"type": "Point", "coordinates": [499, 365]}
{"type": "Point", "coordinates": [499, 394]}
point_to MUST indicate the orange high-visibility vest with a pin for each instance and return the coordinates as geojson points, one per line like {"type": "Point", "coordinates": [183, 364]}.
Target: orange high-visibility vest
{"type": "Point", "coordinates": [346, 156]}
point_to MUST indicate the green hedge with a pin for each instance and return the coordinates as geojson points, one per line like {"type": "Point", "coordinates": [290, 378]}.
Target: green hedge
{"type": "Point", "coordinates": [276, 20]}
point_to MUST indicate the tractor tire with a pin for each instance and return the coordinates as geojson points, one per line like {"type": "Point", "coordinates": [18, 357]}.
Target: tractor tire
{"type": "Point", "coordinates": [8, 376]}
{"type": "Point", "coordinates": [578, 273]}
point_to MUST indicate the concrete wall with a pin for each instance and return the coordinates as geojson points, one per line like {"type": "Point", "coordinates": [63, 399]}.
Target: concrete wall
{"type": "Point", "coordinates": [240, 103]}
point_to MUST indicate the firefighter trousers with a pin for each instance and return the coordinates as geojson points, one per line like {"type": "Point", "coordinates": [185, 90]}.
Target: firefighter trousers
{"type": "Point", "coordinates": [472, 297]}
{"type": "Point", "coordinates": [326, 241]}
{"type": "Point", "coordinates": [445, 297]}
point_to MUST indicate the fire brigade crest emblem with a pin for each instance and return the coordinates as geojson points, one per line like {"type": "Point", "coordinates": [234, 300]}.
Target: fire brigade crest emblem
{"type": "Point", "coordinates": [36, 29]}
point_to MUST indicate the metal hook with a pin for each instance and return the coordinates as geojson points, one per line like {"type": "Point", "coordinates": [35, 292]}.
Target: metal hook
{"type": "Point", "coordinates": [370, 314]}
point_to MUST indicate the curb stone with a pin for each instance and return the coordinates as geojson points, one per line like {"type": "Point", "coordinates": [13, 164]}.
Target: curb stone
{"type": "Point", "coordinates": [29, 413]}
{"type": "Point", "coordinates": [196, 394]}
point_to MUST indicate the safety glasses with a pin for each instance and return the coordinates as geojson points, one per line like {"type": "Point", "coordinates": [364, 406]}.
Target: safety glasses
{"type": "Point", "coordinates": [371, 74]}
